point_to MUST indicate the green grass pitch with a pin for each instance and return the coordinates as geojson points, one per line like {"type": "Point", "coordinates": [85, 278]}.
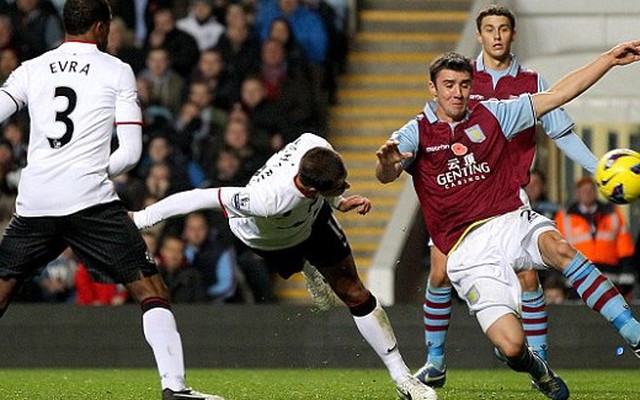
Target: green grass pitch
{"type": "Point", "coordinates": [298, 384]}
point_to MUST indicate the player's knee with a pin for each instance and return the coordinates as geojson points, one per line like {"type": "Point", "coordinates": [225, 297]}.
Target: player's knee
{"type": "Point", "coordinates": [529, 280]}
{"type": "Point", "coordinates": [511, 349]}
{"type": "Point", "coordinates": [365, 307]}
{"type": "Point", "coordinates": [556, 251]}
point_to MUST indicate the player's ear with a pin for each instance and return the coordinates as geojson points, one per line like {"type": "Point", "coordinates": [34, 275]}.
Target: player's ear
{"type": "Point", "coordinates": [432, 88]}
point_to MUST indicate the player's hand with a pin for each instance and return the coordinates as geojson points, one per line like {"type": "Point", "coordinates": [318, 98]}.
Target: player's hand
{"type": "Point", "coordinates": [361, 204]}
{"type": "Point", "coordinates": [389, 154]}
{"type": "Point", "coordinates": [626, 53]}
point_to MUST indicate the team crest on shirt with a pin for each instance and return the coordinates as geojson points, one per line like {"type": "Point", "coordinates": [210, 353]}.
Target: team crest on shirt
{"type": "Point", "coordinates": [472, 295]}
{"type": "Point", "coordinates": [475, 134]}
{"type": "Point", "coordinates": [241, 201]}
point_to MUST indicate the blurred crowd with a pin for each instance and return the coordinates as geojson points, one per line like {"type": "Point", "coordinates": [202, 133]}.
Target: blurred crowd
{"type": "Point", "coordinates": [223, 84]}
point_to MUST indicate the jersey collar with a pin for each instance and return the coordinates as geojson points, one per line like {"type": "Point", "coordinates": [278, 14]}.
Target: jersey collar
{"type": "Point", "coordinates": [79, 46]}
{"type": "Point", "coordinates": [513, 69]}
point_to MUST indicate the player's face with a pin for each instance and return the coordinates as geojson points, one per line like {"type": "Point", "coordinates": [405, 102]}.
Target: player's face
{"type": "Point", "coordinates": [451, 90]}
{"type": "Point", "coordinates": [496, 36]}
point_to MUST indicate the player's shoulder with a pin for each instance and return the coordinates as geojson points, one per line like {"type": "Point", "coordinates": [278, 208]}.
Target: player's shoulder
{"type": "Point", "coordinates": [525, 71]}
{"type": "Point", "coordinates": [310, 140]}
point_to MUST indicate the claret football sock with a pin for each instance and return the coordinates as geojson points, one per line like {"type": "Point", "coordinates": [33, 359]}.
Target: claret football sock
{"type": "Point", "coordinates": [437, 314]}
{"type": "Point", "coordinates": [601, 295]}
{"type": "Point", "coordinates": [534, 321]}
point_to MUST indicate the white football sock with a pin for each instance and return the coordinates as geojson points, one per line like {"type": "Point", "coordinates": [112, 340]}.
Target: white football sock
{"type": "Point", "coordinates": [376, 330]}
{"type": "Point", "coordinates": [161, 333]}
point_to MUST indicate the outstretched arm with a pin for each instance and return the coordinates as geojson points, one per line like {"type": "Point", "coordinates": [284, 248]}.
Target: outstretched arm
{"type": "Point", "coordinates": [575, 83]}
{"type": "Point", "coordinates": [389, 166]}
{"type": "Point", "coordinates": [574, 148]}
{"type": "Point", "coordinates": [177, 204]}
{"type": "Point", "coordinates": [361, 204]}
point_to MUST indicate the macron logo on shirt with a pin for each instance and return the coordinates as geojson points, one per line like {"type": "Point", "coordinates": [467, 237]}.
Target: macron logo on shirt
{"type": "Point", "coordinates": [433, 149]}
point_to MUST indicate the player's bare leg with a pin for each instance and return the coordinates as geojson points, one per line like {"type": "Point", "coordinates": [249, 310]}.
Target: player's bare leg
{"type": "Point", "coordinates": [373, 324]}
{"type": "Point", "coordinates": [7, 288]}
{"type": "Point", "coordinates": [437, 314]}
{"type": "Point", "coordinates": [321, 293]}
{"type": "Point", "coordinates": [534, 312]}
{"type": "Point", "coordinates": [508, 337]}
{"type": "Point", "coordinates": [595, 289]}
{"type": "Point", "coordinates": [161, 332]}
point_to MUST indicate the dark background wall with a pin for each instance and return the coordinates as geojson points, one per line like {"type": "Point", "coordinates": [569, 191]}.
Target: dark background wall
{"type": "Point", "coordinates": [277, 336]}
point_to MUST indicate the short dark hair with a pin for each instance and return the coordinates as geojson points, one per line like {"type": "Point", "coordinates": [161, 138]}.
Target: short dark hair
{"type": "Point", "coordinates": [495, 10]}
{"type": "Point", "coordinates": [321, 168]}
{"type": "Point", "coordinates": [452, 61]}
{"type": "Point", "coordinates": [79, 15]}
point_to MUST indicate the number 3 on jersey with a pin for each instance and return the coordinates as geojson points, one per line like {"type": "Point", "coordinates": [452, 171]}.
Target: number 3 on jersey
{"type": "Point", "coordinates": [63, 116]}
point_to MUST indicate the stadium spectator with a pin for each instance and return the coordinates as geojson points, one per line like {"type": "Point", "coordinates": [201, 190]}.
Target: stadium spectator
{"type": "Point", "coordinates": [37, 27]}
{"type": "Point", "coordinates": [226, 170]}
{"type": "Point", "coordinates": [556, 290]}
{"type": "Point", "coordinates": [599, 231]}
{"type": "Point", "coordinates": [88, 292]}
{"type": "Point", "coordinates": [497, 74]}
{"type": "Point", "coordinates": [201, 24]}
{"type": "Point", "coordinates": [184, 282]}
{"type": "Point", "coordinates": [280, 30]}
{"type": "Point", "coordinates": [307, 26]}
{"type": "Point", "coordinates": [478, 217]}
{"type": "Point", "coordinates": [300, 227]}
{"type": "Point", "coordinates": [121, 45]}
{"type": "Point", "coordinates": [240, 52]}
{"type": "Point", "coordinates": [211, 69]}
{"type": "Point", "coordinates": [138, 16]}
{"type": "Point", "coordinates": [161, 151]}
{"type": "Point", "coordinates": [288, 87]}
{"type": "Point", "coordinates": [181, 47]}
{"type": "Point", "coordinates": [199, 121]}
{"type": "Point", "coordinates": [65, 198]}
{"type": "Point", "coordinates": [309, 31]}
{"type": "Point", "coordinates": [9, 60]}
{"type": "Point", "coordinates": [212, 256]}
{"type": "Point", "coordinates": [166, 87]}
{"type": "Point", "coordinates": [537, 194]}
{"type": "Point", "coordinates": [56, 281]}
{"type": "Point", "coordinates": [238, 137]}
{"type": "Point", "coordinates": [8, 38]}
{"type": "Point", "coordinates": [266, 121]}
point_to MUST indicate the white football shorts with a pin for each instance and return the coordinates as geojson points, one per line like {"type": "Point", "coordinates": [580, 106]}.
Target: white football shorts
{"type": "Point", "coordinates": [483, 267]}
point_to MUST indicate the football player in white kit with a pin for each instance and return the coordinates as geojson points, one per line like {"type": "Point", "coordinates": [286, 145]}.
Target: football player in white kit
{"type": "Point", "coordinates": [284, 214]}
{"type": "Point", "coordinates": [76, 93]}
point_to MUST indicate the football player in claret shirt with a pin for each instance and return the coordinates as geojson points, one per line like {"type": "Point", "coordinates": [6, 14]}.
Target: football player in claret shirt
{"type": "Point", "coordinates": [498, 75]}
{"type": "Point", "coordinates": [469, 193]}
{"type": "Point", "coordinates": [76, 93]}
{"type": "Point", "coordinates": [285, 215]}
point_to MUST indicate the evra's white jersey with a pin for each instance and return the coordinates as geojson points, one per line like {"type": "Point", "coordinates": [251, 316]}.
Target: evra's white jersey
{"type": "Point", "coordinates": [270, 213]}
{"type": "Point", "coordinates": [75, 93]}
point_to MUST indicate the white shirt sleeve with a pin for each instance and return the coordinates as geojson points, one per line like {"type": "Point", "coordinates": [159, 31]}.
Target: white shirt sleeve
{"type": "Point", "coordinates": [251, 201]}
{"type": "Point", "coordinates": [13, 94]}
